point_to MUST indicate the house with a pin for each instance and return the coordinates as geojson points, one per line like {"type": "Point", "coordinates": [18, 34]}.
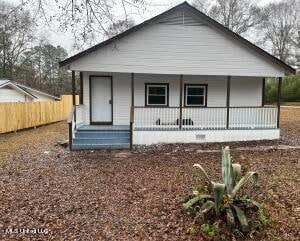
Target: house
{"type": "Point", "coordinates": [11, 91]}
{"type": "Point", "coordinates": [178, 77]}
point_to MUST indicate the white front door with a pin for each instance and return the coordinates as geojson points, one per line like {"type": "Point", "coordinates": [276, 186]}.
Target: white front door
{"type": "Point", "coordinates": [101, 100]}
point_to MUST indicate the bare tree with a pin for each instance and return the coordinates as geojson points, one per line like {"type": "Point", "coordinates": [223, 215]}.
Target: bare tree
{"type": "Point", "coordinates": [281, 25]}
{"type": "Point", "coordinates": [238, 15]}
{"type": "Point", "coordinates": [119, 27]}
{"type": "Point", "coordinates": [88, 20]}
{"type": "Point", "coordinates": [16, 36]}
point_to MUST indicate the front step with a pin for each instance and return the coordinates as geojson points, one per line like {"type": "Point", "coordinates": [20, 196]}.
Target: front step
{"type": "Point", "coordinates": [103, 134]}
{"type": "Point", "coordinates": [100, 146]}
{"type": "Point", "coordinates": [101, 139]}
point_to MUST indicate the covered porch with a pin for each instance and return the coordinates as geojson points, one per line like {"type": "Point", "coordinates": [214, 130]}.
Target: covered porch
{"type": "Point", "coordinates": [220, 109]}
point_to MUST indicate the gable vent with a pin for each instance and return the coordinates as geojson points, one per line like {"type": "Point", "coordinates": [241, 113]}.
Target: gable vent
{"type": "Point", "coordinates": [181, 18]}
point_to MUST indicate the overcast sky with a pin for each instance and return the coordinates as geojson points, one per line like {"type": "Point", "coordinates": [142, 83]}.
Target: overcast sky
{"type": "Point", "coordinates": [66, 39]}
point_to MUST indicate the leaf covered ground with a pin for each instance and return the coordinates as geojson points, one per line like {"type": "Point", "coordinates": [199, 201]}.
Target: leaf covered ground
{"type": "Point", "coordinates": [123, 195]}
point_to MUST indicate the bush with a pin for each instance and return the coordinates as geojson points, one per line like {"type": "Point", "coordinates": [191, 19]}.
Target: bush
{"type": "Point", "coordinates": [217, 206]}
{"type": "Point", "coordinates": [290, 89]}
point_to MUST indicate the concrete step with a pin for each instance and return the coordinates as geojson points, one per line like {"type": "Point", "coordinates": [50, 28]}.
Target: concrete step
{"type": "Point", "coordinates": [100, 146]}
{"type": "Point", "coordinates": [101, 140]}
{"type": "Point", "coordinates": [101, 134]}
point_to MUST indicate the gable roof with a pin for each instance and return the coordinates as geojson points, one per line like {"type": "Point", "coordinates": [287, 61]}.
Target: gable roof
{"type": "Point", "coordinates": [201, 16]}
{"type": "Point", "coordinates": [4, 83]}
{"type": "Point", "coordinates": [24, 89]}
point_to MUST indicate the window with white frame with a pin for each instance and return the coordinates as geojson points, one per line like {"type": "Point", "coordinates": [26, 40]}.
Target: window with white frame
{"type": "Point", "coordinates": [157, 94]}
{"type": "Point", "coordinates": [195, 95]}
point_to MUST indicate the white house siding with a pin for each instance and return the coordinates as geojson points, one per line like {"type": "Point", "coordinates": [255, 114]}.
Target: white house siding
{"type": "Point", "coordinates": [12, 95]}
{"type": "Point", "coordinates": [245, 91]}
{"type": "Point", "coordinates": [178, 49]}
{"type": "Point", "coordinates": [155, 137]}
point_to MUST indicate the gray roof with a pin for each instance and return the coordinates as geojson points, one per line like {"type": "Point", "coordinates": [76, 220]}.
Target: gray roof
{"type": "Point", "coordinates": [25, 88]}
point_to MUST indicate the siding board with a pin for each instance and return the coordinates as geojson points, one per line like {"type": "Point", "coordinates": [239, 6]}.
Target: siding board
{"type": "Point", "coordinates": [178, 49]}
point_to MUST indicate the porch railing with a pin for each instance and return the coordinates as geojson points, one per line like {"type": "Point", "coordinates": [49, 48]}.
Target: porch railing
{"type": "Point", "coordinates": [253, 117]}
{"type": "Point", "coordinates": [156, 118]}
{"type": "Point", "coordinates": [209, 118]}
{"type": "Point", "coordinates": [75, 119]}
{"type": "Point", "coordinates": [79, 110]}
{"type": "Point", "coordinates": [204, 118]}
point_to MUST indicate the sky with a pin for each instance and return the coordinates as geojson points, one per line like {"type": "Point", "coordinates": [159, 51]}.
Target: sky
{"type": "Point", "coordinates": [65, 39]}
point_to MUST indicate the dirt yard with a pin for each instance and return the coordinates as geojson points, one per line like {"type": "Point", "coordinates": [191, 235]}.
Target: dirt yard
{"type": "Point", "coordinates": [123, 195]}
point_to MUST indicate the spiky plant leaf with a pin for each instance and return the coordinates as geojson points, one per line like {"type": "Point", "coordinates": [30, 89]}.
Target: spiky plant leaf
{"type": "Point", "coordinates": [245, 179]}
{"type": "Point", "coordinates": [226, 169]}
{"type": "Point", "coordinates": [230, 218]}
{"type": "Point", "coordinates": [236, 173]}
{"type": "Point", "coordinates": [207, 206]}
{"type": "Point", "coordinates": [204, 174]}
{"type": "Point", "coordinates": [242, 218]}
{"type": "Point", "coordinates": [194, 200]}
{"type": "Point", "coordinates": [252, 202]}
{"type": "Point", "coordinates": [218, 189]}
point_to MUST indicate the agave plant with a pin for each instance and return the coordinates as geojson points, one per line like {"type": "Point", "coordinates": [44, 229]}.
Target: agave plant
{"type": "Point", "coordinates": [222, 199]}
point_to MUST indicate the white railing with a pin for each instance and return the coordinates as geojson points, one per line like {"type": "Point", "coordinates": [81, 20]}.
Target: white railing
{"type": "Point", "coordinates": [204, 118]}
{"type": "Point", "coordinates": [79, 115]}
{"type": "Point", "coordinates": [156, 118]}
{"type": "Point", "coordinates": [253, 117]}
{"type": "Point", "coordinates": [210, 118]}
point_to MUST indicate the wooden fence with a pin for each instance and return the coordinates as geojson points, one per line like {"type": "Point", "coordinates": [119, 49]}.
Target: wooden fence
{"type": "Point", "coordinates": [21, 115]}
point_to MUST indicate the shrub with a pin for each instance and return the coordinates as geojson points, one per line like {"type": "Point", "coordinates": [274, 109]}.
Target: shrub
{"type": "Point", "coordinates": [222, 202]}
{"type": "Point", "coordinates": [290, 89]}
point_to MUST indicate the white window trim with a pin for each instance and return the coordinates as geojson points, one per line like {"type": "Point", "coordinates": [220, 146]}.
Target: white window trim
{"type": "Point", "coordinates": [195, 86]}
{"type": "Point", "coordinates": [157, 85]}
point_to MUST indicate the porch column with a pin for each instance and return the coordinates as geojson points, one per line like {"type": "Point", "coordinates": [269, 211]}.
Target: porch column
{"type": "Point", "coordinates": [263, 94]}
{"type": "Point", "coordinates": [132, 89]}
{"type": "Point", "coordinates": [81, 89]}
{"type": "Point", "coordinates": [180, 103]}
{"type": "Point", "coordinates": [132, 110]}
{"type": "Point", "coordinates": [73, 88]}
{"type": "Point", "coordinates": [74, 94]}
{"type": "Point", "coordinates": [279, 100]}
{"type": "Point", "coordinates": [228, 101]}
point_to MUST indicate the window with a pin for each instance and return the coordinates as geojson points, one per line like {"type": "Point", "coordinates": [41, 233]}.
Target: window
{"type": "Point", "coordinates": [157, 94]}
{"type": "Point", "coordinates": [195, 95]}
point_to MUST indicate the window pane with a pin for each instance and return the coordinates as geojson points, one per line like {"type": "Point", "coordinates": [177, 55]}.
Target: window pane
{"type": "Point", "coordinates": [195, 100]}
{"type": "Point", "coordinates": [156, 100]}
{"type": "Point", "coordinates": [157, 90]}
{"type": "Point", "coordinates": [195, 90]}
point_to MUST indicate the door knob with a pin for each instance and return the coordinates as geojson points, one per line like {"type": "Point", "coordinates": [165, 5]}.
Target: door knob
{"type": "Point", "coordinates": [110, 101]}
